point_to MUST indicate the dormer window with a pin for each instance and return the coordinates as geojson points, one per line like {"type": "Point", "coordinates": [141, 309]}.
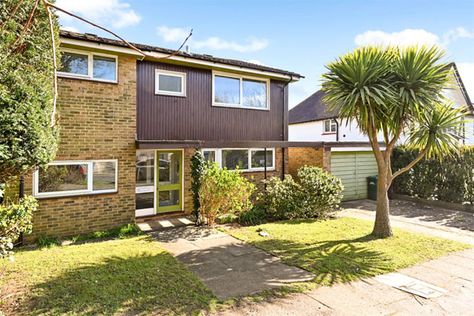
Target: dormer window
{"type": "Point", "coordinates": [231, 90]}
{"type": "Point", "coordinates": [88, 65]}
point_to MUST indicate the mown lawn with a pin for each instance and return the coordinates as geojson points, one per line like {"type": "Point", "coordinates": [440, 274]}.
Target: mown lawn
{"type": "Point", "coordinates": [124, 276]}
{"type": "Point", "coordinates": [341, 250]}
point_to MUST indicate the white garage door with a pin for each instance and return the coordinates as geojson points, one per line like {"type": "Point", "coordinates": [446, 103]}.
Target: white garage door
{"type": "Point", "coordinates": [353, 168]}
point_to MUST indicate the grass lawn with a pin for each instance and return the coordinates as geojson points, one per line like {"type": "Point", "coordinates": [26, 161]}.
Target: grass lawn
{"type": "Point", "coordinates": [341, 250]}
{"type": "Point", "coordinates": [123, 276]}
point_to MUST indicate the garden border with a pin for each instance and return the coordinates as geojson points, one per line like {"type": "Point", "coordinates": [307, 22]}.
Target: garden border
{"type": "Point", "coordinates": [458, 207]}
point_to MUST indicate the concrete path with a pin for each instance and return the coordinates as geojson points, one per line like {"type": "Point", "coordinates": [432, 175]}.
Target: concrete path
{"type": "Point", "coordinates": [440, 222]}
{"type": "Point", "coordinates": [454, 273]}
{"type": "Point", "coordinates": [226, 265]}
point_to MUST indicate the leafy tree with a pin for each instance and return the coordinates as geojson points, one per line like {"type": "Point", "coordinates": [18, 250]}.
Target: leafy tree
{"type": "Point", "coordinates": [389, 91]}
{"type": "Point", "coordinates": [28, 136]}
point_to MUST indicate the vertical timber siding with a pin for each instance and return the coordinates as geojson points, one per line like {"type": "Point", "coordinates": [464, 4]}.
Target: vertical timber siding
{"type": "Point", "coordinates": [193, 117]}
{"type": "Point", "coordinates": [97, 121]}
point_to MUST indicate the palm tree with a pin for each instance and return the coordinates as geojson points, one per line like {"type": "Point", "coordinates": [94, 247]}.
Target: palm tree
{"type": "Point", "coordinates": [390, 91]}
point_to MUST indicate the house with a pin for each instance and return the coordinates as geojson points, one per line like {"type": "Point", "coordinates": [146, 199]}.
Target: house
{"type": "Point", "coordinates": [312, 120]}
{"type": "Point", "coordinates": [130, 124]}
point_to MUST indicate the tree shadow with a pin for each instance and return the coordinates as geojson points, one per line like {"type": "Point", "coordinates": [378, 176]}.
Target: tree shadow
{"type": "Point", "coordinates": [441, 216]}
{"type": "Point", "coordinates": [332, 261]}
{"type": "Point", "coordinates": [143, 284]}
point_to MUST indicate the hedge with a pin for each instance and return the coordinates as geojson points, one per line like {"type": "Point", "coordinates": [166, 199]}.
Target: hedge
{"type": "Point", "coordinates": [449, 180]}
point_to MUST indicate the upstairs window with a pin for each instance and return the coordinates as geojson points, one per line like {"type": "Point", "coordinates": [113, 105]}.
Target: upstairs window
{"type": "Point", "coordinates": [240, 91]}
{"type": "Point", "coordinates": [170, 83]}
{"type": "Point", "coordinates": [330, 126]}
{"type": "Point", "coordinates": [87, 65]}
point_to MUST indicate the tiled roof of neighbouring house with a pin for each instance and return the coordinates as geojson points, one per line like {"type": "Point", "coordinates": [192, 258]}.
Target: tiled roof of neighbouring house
{"type": "Point", "coordinates": [204, 57]}
{"type": "Point", "coordinates": [311, 109]}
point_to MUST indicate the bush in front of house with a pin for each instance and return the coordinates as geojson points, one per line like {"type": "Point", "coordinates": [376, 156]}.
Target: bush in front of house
{"type": "Point", "coordinates": [223, 191]}
{"type": "Point", "coordinates": [255, 216]}
{"type": "Point", "coordinates": [15, 218]}
{"type": "Point", "coordinates": [314, 194]}
{"type": "Point", "coordinates": [449, 180]}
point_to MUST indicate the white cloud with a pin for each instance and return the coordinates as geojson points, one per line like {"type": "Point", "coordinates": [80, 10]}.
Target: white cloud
{"type": "Point", "coordinates": [411, 37]}
{"type": "Point", "coordinates": [403, 38]}
{"type": "Point", "coordinates": [255, 61]}
{"type": "Point", "coordinates": [172, 34]}
{"type": "Point", "coordinates": [178, 34]}
{"type": "Point", "coordinates": [70, 28]}
{"type": "Point", "coordinates": [466, 70]}
{"type": "Point", "coordinates": [109, 12]}
{"type": "Point", "coordinates": [455, 34]}
{"type": "Point", "coordinates": [252, 44]}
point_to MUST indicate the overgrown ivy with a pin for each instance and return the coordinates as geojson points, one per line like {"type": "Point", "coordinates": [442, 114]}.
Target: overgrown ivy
{"type": "Point", "coordinates": [450, 179]}
{"type": "Point", "coordinates": [197, 168]}
{"type": "Point", "coordinates": [27, 137]}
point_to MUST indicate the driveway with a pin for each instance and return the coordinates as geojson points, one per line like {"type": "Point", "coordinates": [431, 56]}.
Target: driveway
{"type": "Point", "coordinates": [454, 274]}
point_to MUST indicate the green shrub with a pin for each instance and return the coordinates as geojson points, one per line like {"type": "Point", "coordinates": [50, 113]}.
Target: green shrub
{"type": "Point", "coordinates": [315, 194]}
{"type": "Point", "coordinates": [450, 179]}
{"type": "Point", "coordinates": [15, 218]}
{"type": "Point", "coordinates": [223, 192]}
{"type": "Point", "coordinates": [46, 241]}
{"type": "Point", "coordinates": [255, 216]}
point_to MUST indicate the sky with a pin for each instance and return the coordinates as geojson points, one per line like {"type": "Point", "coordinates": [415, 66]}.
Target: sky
{"type": "Point", "coordinates": [300, 35]}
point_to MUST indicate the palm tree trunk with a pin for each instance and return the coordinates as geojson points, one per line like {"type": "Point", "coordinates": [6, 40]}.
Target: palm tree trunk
{"type": "Point", "coordinates": [382, 226]}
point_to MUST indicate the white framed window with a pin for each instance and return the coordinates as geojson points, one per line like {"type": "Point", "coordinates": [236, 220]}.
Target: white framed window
{"type": "Point", "coordinates": [145, 182]}
{"type": "Point", "coordinates": [230, 90]}
{"type": "Point", "coordinates": [76, 177]}
{"type": "Point", "coordinates": [88, 65]}
{"type": "Point", "coordinates": [330, 126]}
{"type": "Point", "coordinates": [170, 83]}
{"type": "Point", "coordinates": [243, 159]}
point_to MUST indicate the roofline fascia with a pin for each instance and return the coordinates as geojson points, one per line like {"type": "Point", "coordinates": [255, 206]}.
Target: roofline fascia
{"type": "Point", "coordinates": [187, 60]}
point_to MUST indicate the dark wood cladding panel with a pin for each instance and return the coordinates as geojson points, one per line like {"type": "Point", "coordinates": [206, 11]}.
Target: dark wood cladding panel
{"type": "Point", "coordinates": [193, 117]}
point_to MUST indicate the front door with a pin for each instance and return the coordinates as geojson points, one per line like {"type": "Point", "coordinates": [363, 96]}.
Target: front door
{"type": "Point", "coordinates": [169, 185]}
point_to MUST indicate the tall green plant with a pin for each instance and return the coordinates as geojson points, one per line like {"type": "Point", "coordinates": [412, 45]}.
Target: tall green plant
{"type": "Point", "coordinates": [389, 91]}
{"type": "Point", "coordinates": [197, 168]}
{"type": "Point", "coordinates": [28, 138]}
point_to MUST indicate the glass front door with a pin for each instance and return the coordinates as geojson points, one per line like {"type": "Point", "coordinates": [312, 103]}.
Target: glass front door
{"type": "Point", "coordinates": [169, 184]}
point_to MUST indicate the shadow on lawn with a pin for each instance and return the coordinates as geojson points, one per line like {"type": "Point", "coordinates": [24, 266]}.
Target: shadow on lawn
{"type": "Point", "coordinates": [332, 261]}
{"type": "Point", "coordinates": [142, 284]}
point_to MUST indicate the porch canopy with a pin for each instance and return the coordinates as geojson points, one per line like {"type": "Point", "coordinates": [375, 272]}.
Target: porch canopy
{"type": "Point", "coordinates": [170, 144]}
{"type": "Point", "coordinates": [167, 144]}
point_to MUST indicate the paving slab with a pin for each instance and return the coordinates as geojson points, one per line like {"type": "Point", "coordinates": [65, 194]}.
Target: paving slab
{"type": "Point", "coordinates": [228, 266]}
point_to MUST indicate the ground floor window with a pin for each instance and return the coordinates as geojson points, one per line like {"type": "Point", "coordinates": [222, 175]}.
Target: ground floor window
{"type": "Point", "coordinates": [248, 159]}
{"type": "Point", "coordinates": [145, 181]}
{"type": "Point", "coordinates": [66, 178]}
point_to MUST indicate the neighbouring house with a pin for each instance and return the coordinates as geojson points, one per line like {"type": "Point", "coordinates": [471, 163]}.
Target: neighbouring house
{"type": "Point", "coordinates": [312, 120]}
{"type": "Point", "coordinates": [129, 126]}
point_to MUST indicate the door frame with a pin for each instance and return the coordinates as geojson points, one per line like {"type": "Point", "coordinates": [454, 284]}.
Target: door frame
{"type": "Point", "coordinates": [181, 176]}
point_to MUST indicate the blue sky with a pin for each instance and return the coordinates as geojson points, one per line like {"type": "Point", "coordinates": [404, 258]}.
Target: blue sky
{"type": "Point", "coordinates": [300, 36]}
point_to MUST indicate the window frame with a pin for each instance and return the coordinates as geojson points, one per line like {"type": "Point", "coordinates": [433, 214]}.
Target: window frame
{"type": "Point", "coordinates": [181, 75]}
{"type": "Point", "coordinates": [331, 124]}
{"type": "Point", "coordinates": [90, 66]}
{"type": "Point", "coordinates": [241, 79]}
{"type": "Point", "coordinates": [90, 179]}
{"type": "Point", "coordinates": [218, 156]}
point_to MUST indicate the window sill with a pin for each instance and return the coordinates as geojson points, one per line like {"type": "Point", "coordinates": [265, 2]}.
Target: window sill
{"type": "Point", "coordinates": [218, 105]}
{"type": "Point", "coordinates": [329, 133]}
{"type": "Point", "coordinates": [42, 196]}
{"type": "Point", "coordinates": [67, 76]}
{"type": "Point", "coordinates": [170, 94]}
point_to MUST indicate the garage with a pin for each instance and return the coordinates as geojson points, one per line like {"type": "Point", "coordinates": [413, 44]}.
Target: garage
{"type": "Point", "coordinates": [353, 168]}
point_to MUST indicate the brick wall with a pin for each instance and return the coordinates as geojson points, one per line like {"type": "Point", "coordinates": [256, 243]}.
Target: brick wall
{"type": "Point", "coordinates": [301, 156]}
{"type": "Point", "coordinates": [97, 121]}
